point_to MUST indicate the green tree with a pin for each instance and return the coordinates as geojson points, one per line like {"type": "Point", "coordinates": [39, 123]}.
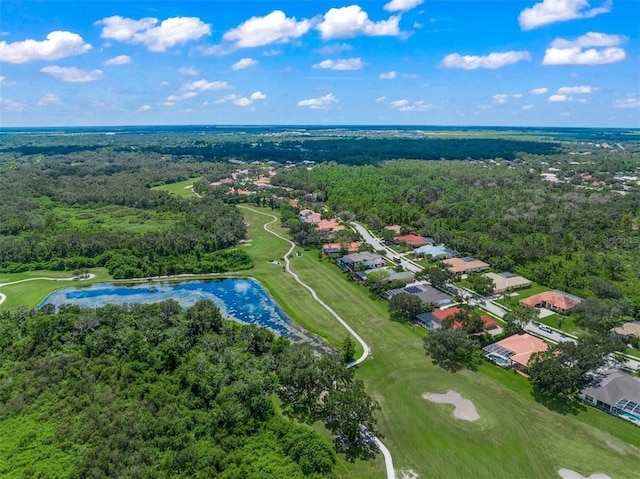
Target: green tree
{"type": "Point", "coordinates": [404, 307]}
{"type": "Point", "coordinates": [516, 319]}
{"type": "Point", "coordinates": [550, 377]}
{"type": "Point", "coordinates": [480, 283]}
{"type": "Point", "coordinates": [348, 352]}
{"type": "Point", "coordinates": [437, 276]}
{"type": "Point", "coordinates": [451, 349]}
{"type": "Point", "coordinates": [377, 280]}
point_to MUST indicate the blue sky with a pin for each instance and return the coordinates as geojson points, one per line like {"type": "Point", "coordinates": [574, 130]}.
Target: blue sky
{"type": "Point", "coordinates": [416, 62]}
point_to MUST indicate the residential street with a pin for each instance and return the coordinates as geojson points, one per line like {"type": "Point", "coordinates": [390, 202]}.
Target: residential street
{"type": "Point", "coordinates": [484, 303]}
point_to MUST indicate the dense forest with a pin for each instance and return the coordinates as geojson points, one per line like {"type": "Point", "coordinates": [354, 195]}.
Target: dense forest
{"type": "Point", "coordinates": [150, 391]}
{"type": "Point", "coordinates": [554, 233]}
{"type": "Point", "coordinates": [64, 212]}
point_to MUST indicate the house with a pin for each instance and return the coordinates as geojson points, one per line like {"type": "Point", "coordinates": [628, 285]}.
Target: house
{"type": "Point", "coordinates": [514, 351]}
{"type": "Point", "coordinates": [507, 282]}
{"type": "Point", "coordinates": [361, 261]}
{"type": "Point", "coordinates": [627, 331]}
{"type": "Point", "coordinates": [435, 252]}
{"type": "Point", "coordinates": [411, 240]}
{"type": "Point", "coordinates": [329, 225]}
{"type": "Point", "coordinates": [394, 228]}
{"type": "Point", "coordinates": [311, 218]}
{"type": "Point", "coordinates": [426, 293]}
{"type": "Point", "coordinates": [615, 392]}
{"type": "Point", "coordinates": [557, 301]}
{"type": "Point", "coordinates": [404, 276]}
{"type": "Point", "coordinates": [433, 320]}
{"type": "Point", "coordinates": [465, 265]}
{"type": "Point", "coordinates": [338, 248]}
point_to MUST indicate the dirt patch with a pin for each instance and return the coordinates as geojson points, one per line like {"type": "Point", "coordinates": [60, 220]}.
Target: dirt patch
{"type": "Point", "coordinates": [464, 408]}
{"type": "Point", "coordinates": [408, 475]}
{"type": "Point", "coordinates": [569, 474]}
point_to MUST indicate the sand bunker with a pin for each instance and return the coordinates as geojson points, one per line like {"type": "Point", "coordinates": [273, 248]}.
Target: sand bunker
{"type": "Point", "coordinates": [464, 408]}
{"type": "Point", "coordinates": [569, 474]}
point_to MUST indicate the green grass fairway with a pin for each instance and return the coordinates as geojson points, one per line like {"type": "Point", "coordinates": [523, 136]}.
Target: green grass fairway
{"type": "Point", "coordinates": [182, 188]}
{"type": "Point", "coordinates": [515, 438]}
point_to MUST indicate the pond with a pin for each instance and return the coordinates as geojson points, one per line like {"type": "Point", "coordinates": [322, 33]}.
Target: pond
{"type": "Point", "coordinates": [240, 299]}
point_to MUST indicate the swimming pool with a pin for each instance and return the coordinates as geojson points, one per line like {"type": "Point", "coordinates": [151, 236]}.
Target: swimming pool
{"type": "Point", "coordinates": [499, 360]}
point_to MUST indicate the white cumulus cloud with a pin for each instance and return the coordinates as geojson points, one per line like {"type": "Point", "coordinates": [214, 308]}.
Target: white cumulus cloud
{"type": "Point", "coordinates": [402, 5]}
{"type": "Point", "coordinates": [260, 31]}
{"type": "Point", "coordinates": [204, 85]}
{"type": "Point", "coordinates": [157, 38]}
{"type": "Point", "coordinates": [493, 60]}
{"type": "Point", "coordinates": [58, 45]}
{"type": "Point", "coordinates": [258, 95]}
{"type": "Point", "coordinates": [559, 98]}
{"type": "Point", "coordinates": [323, 103]}
{"type": "Point", "coordinates": [388, 75]}
{"type": "Point", "coordinates": [352, 21]}
{"type": "Point", "coordinates": [191, 71]}
{"type": "Point", "coordinates": [119, 60]}
{"type": "Point", "coordinates": [244, 63]}
{"type": "Point", "coordinates": [631, 101]}
{"type": "Point", "coordinates": [552, 11]}
{"type": "Point", "coordinates": [406, 105]}
{"type": "Point", "coordinates": [539, 91]}
{"type": "Point", "coordinates": [591, 48]}
{"type": "Point", "coordinates": [567, 90]}
{"type": "Point", "coordinates": [72, 74]}
{"type": "Point", "coordinates": [332, 49]}
{"type": "Point", "coordinates": [48, 98]}
{"type": "Point", "coordinates": [343, 64]}
{"type": "Point", "coordinates": [144, 108]}
{"type": "Point", "coordinates": [527, 107]}
{"type": "Point", "coordinates": [500, 98]}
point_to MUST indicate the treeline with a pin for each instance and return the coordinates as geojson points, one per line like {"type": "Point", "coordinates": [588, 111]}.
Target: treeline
{"type": "Point", "coordinates": [558, 235]}
{"type": "Point", "coordinates": [151, 391]}
{"type": "Point", "coordinates": [358, 150]}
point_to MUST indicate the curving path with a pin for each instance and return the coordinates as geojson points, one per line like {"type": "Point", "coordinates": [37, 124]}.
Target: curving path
{"type": "Point", "coordinates": [3, 296]}
{"type": "Point", "coordinates": [366, 350]}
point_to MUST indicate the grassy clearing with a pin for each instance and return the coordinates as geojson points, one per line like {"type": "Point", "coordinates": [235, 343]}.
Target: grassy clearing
{"type": "Point", "coordinates": [515, 437]}
{"type": "Point", "coordinates": [182, 188]}
{"type": "Point", "coordinates": [31, 293]}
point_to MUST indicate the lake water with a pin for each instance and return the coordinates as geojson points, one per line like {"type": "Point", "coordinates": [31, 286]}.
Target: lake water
{"type": "Point", "coordinates": [243, 300]}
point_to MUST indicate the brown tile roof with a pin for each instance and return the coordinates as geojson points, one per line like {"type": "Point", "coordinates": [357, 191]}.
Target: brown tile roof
{"type": "Point", "coordinates": [459, 265]}
{"type": "Point", "coordinates": [349, 247]}
{"type": "Point", "coordinates": [558, 300]}
{"type": "Point", "coordinates": [628, 329]}
{"type": "Point", "coordinates": [394, 228]}
{"type": "Point", "coordinates": [523, 346]}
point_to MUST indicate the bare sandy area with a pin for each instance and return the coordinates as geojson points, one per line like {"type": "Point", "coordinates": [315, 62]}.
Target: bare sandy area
{"type": "Point", "coordinates": [464, 408]}
{"type": "Point", "coordinates": [569, 474]}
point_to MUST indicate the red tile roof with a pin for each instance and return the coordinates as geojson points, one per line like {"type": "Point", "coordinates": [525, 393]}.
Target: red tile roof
{"type": "Point", "coordinates": [411, 240]}
{"type": "Point", "coordinates": [332, 225]}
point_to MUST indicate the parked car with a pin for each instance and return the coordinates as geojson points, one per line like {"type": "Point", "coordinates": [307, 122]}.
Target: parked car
{"type": "Point", "coordinates": [545, 328]}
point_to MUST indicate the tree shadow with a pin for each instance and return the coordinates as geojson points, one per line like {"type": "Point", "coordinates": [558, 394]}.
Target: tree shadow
{"type": "Point", "coordinates": [561, 405]}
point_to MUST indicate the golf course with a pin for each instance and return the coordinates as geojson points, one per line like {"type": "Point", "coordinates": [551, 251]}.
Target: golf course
{"type": "Point", "coordinates": [514, 437]}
